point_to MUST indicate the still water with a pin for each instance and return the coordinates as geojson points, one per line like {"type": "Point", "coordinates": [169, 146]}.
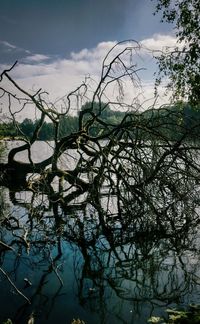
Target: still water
{"type": "Point", "coordinates": [64, 264]}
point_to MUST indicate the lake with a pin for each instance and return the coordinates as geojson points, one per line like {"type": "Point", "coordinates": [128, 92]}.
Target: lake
{"type": "Point", "coordinates": [59, 264]}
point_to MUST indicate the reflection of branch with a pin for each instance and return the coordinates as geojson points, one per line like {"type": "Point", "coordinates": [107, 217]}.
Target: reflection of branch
{"type": "Point", "coordinates": [11, 282]}
{"type": "Point", "coordinates": [55, 269]}
{"type": "Point", "coordinates": [5, 246]}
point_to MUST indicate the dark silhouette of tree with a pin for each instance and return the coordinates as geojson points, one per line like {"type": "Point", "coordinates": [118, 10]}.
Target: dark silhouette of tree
{"type": "Point", "coordinates": [129, 202]}
{"type": "Point", "coordinates": [128, 157]}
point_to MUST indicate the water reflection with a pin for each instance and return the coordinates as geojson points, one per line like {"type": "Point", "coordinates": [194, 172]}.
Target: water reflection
{"type": "Point", "coordinates": [81, 261]}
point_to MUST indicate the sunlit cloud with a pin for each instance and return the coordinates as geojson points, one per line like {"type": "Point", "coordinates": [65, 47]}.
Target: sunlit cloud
{"type": "Point", "coordinates": [160, 42]}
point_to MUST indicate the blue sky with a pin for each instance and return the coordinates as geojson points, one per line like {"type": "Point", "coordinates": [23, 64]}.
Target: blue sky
{"type": "Point", "coordinates": [58, 42]}
{"type": "Point", "coordinates": [57, 27]}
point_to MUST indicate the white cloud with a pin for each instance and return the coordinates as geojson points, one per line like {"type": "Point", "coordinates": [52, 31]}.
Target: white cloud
{"type": "Point", "coordinates": [36, 58]}
{"type": "Point", "coordinates": [8, 45]}
{"type": "Point", "coordinates": [97, 53]}
{"type": "Point", "coordinates": [60, 76]}
{"type": "Point", "coordinates": [11, 48]}
{"type": "Point", "coordinates": [160, 42]}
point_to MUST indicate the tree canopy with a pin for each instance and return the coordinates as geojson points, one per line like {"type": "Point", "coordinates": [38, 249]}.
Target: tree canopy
{"type": "Point", "coordinates": [182, 64]}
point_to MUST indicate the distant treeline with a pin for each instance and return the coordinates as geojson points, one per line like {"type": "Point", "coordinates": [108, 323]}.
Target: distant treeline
{"type": "Point", "coordinates": [170, 122]}
{"type": "Point", "coordinates": [67, 124]}
{"type": "Point", "coordinates": [180, 121]}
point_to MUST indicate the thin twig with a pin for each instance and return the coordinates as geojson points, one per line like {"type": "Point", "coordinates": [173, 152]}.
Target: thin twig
{"type": "Point", "coordinates": [17, 290]}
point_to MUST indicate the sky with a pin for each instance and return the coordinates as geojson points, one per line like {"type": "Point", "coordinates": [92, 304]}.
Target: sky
{"type": "Point", "coordinates": [57, 43]}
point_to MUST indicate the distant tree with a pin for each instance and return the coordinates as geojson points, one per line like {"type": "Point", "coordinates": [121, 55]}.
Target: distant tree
{"type": "Point", "coordinates": [46, 132]}
{"type": "Point", "coordinates": [9, 129]}
{"type": "Point", "coordinates": [27, 127]}
{"type": "Point", "coordinates": [182, 65]}
{"type": "Point", "coordinates": [104, 116]}
{"type": "Point", "coordinates": [67, 124]}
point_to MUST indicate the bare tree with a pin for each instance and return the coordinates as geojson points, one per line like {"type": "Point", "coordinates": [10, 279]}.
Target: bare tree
{"type": "Point", "coordinates": [130, 158]}
{"type": "Point", "coordinates": [135, 182]}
